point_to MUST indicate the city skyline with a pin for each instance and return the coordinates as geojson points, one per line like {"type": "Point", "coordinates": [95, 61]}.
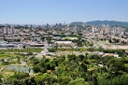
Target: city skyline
{"type": "Point", "coordinates": [61, 11]}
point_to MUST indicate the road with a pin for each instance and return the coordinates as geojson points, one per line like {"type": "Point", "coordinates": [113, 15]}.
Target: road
{"type": "Point", "coordinates": [45, 51]}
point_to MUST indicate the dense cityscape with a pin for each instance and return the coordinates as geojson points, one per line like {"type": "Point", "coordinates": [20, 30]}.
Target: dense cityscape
{"type": "Point", "coordinates": [63, 42]}
{"type": "Point", "coordinates": [48, 54]}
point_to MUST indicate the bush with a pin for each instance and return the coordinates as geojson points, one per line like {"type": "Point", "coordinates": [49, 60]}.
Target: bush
{"type": "Point", "coordinates": [52, 50]}
{"type": "Point", "coordinates": [119, 80]}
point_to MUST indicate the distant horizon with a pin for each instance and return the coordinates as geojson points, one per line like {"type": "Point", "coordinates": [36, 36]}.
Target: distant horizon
{"type": "Point", "coordinates": [59, 22]}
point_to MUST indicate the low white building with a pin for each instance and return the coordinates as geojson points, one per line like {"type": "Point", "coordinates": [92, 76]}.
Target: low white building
{"type": "Point", "coordinates": [64, 43]}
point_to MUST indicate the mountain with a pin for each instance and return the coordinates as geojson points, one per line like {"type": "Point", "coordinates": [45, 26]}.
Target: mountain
{"type": "Point", "coordinates": [106, 22]}
{"type": "Point", "coordinates": [99, 22]}
{"type": "Point", "coordinates": [76, 23]}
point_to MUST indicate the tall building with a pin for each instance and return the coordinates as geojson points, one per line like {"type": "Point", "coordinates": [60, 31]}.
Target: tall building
{"type": "Point", "coordinates": [8, 30]}
{"type": "Point", "coordinates": [117, 30]}
{"type": "Point", "coordinates": [0, 31]}
{"type": "Point", "coordinates": [4, 30]}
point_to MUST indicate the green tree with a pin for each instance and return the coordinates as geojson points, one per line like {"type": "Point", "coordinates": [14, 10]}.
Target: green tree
{"type": "Point", "coordinates": [115, 66]}
{"type": "Point", "coordinates": [64, 80]}
{"type": "Point", "coordinates": [78, 81]}
{"type": "Point", "coordinates": [48, 79]}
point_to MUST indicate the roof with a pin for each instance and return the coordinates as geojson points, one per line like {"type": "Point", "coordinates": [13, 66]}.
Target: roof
{"type": "Point", "coordinates": [63, 42]}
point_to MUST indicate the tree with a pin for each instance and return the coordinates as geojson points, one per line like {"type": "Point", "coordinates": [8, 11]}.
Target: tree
{"type": "Point", "coordinates": [18, 59]}
{"type": "Point", "coordinates": [0, 78]}
{"type": "Point", "coordinates": [49, 39]}
{"type": "Point", "coordinates": [77, 81]}
{"type": "Point", "coordinates": [119, 80]}
{"type": "Point", "coordinates": [47, 79]}
{"type": "Point", "coordinates": [92, 48]}
{"type": "Point", "coordinates": [71, 57]}
{"type": "Point", "coordinates": [81, 57]}
{"type": "Point", "coordinates": [79, 43]}
{"type": "Point", "coordinates": [64, 80]}
{"type": "Point", "coordinates": [36, 68]}
{"type": "Point", "coordinates": [115, 66]}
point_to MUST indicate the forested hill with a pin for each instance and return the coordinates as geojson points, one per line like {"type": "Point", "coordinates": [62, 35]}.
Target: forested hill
{"type": "Point", "coordinates": [112, 23]}
{"type": "Point", "coordinates": [99, 22]}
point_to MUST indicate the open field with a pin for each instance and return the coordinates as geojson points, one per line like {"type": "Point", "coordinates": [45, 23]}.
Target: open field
{"type": "Point", "coordinates": [22, 50]}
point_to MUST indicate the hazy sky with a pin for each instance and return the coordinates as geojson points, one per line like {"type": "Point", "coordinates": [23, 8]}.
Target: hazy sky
{"type": "Point", "coordinates": [60, 11]}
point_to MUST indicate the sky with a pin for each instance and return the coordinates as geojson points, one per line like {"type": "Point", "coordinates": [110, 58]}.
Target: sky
{"type": "Point", "coordinates": [61, 11]}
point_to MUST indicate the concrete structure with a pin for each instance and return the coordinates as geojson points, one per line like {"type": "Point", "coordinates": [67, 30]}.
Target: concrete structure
{"type": "Point", "coordinates": [64, 43]}
{"type": "Point", "coordinates": [8, 30]}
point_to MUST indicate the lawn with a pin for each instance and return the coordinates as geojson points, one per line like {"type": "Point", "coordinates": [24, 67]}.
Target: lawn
{"type": "Point", "coordinates": [71, 38]}
{"type": "Point", "coordinates": [7, 55]}
{"type": "Point", "coordinates": [22, 50]}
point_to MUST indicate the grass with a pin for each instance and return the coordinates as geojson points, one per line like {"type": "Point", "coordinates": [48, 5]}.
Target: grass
{"type": "Point", "coordinates": [22, 50]}
{"type": "Point", "coordinates": [11, 57]}
{"type": "Point", "coordinates": [11, 54]}
{"type": "Point", "coordinates": [71, 38]}
{"type": "Point", "coordinates": [6, 74]}
{"type": "Point", "coordinates": [71, 49]}
{"type": "Point", "coordinates": [7, 55]}
{"type": "Point", "coordinates": [77, 49]}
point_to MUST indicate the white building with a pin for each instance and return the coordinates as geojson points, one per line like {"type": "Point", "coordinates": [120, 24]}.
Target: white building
{"type": "Point", "coordinates": [64, 43]}
{"type": "Point", "coordinates": [8, 30]}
